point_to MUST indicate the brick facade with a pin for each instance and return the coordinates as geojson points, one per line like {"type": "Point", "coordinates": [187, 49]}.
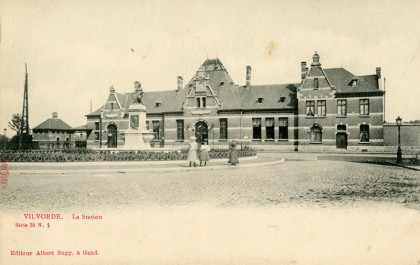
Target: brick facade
{"type": "Point", "coordinates": [212, 107]}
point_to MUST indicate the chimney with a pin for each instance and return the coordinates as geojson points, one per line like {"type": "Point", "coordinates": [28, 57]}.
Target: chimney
{"type": "Point", "coordinates": [112, 89]}
{"type": "Point", "coordinates": [180, 84]}
{"type": "Point", "coordinates": [303, 70]}
{"type": "Point", "coordinates": [378, 77]}
{"type": "Point", "coordinates": [378, 72]}
{"type": "Point", "coordinates": [248, 76]}
{"type": "Point", "coordinates": [55, 115]}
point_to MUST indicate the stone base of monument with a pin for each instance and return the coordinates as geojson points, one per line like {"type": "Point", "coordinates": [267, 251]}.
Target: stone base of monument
{"type": "Point", "coordinates": [137, 137]}
{"type": "Point", "coordinates": [138, 140]}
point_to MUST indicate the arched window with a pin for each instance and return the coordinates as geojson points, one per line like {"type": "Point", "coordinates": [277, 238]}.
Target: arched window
{"type": "Point", "coordinates": [364, 133]}
{"type": "Point", "coordinates": [316, 134]}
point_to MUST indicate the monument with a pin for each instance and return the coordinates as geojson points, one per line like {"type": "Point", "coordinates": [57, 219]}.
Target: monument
{"type": "Point", "coordinates": [137, 137]}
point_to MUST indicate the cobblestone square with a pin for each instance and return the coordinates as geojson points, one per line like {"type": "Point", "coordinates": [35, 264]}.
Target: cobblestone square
{"type": "Point", "coordinates": [277, 209]}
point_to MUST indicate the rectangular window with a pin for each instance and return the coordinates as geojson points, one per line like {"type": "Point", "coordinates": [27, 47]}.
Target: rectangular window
{"type": "Point", "coordinates": [269, 128]}
{"type": "Point", "coordinates": [256, 128]}
{"type": "Point", "coordinates": [96, 135]}
{"type": "Point", "coordinates": [147, 125]}
{"type": "Point", "coordinates": [201, 102]}
{"type": "Point", "coordinates": [310, 108]}
{"type": "Point", "coordinates": [341, 127]}
{"type": "Point", "coordinates": [364, 106]}
{"type": "Point", "coordinates": [316, 83]}
{"type": "Point", "coordinates": [342, 107]}
{"type": "Point", "coordinates": [223, 129]}
{"type": "Point", "coordinates": [283, 129]}
{"type": "Point", "coordinates": [364, 133]}
{"type": "Point", "coordinates": [96, 125]}
{"type": "Point", "coordinates": [156, 129]}
{"type": "Point", "coordinates": [180, 130]}
{"type": "Point", "coordinates": [322, 109]}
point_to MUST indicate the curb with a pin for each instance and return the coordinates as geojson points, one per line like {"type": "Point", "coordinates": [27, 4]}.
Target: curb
{"type": "Point", "coordinates": [148, 169]}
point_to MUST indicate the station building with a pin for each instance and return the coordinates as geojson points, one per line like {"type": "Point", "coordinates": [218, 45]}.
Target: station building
{"type": "Point", "coordinates": [54, 133]}
{"type": "Point", "coordinates": [328, 109]}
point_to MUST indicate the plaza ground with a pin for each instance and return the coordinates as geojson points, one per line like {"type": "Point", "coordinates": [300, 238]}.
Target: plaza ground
{"type": "Point", "coordinates": [279, 208]}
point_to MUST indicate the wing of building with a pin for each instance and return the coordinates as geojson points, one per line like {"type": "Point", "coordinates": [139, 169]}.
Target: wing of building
{"type": "Point", "coordinates": [327, 109]}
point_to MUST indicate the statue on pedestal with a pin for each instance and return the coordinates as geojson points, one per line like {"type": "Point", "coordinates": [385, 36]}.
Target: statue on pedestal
{"type": "Point", "coordinates": [138, 93]}
{"type": "Point", "coordinates": [137, 137]}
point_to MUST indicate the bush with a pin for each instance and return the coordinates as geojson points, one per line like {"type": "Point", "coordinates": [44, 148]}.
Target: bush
{"type": "Point", "coordinates": [91, 155]}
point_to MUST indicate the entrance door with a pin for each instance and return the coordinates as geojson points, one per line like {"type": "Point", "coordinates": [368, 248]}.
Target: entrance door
{"type": "Point", "coordinates": [201, 131]}
{"type": "Point", "coordinates": [112, 136]}
{"type": "Point", "coordinates": [341, 140]}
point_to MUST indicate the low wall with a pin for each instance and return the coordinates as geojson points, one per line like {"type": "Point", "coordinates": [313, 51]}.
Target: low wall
{"type": "Point", "coordinates": [410, 137]}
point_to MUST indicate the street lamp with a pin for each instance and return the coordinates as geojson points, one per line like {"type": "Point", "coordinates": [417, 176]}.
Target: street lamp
{"type": "Point", "coordinates": [399, 154]}
{"type": "Point", "coordinates": [5, 138]}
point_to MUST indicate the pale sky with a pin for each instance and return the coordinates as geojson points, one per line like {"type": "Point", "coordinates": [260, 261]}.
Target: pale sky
{"type": "Point", "coordinates": [75, 50]}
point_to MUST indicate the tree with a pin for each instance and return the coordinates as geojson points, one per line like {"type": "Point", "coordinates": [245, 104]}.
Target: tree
{"type": "Point", "coordinates": [16, 122]}
{"type": "Point", "coordinates": [4, 141]}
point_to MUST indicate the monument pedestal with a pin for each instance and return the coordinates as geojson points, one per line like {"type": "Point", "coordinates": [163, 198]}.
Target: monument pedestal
{"type": "Point", "coordinates": [137, 137]}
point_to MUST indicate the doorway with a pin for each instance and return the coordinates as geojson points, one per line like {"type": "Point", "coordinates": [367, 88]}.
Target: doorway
{"type": "Point", "coordinates": [201, 131]}
{"type": "Point", "coordinates": [112, 136]}
{"type": "Point", "coordinates": [341, 140]}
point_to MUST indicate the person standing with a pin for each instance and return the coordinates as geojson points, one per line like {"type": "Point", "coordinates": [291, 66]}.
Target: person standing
{"type": "Point", "coordinates": [233, 154]}
{"type": "Point", "coordinates": [204, 153]}
{"type": "Point", "coordinates": [192, 151]}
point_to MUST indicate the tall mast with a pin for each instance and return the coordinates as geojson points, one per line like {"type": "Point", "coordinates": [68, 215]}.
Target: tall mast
{"type": "Point", "coordinates": [24, 128]}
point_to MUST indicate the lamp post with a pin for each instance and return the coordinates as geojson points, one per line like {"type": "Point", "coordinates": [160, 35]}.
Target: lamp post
{"type": "Point", "coordinates": [212, 133]}
{"type": "Point", "coordinates": [5, 139]}
{"type": "Point", "coordinates": [399, 154]}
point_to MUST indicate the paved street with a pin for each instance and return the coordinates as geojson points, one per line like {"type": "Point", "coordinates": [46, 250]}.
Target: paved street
{"type": "Point", "coordinates": [265, 181]}
{"type": "Point", "coordinates": [275, 209]}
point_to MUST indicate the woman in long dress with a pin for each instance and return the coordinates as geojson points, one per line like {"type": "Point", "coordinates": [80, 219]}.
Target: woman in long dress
{"type": "Point", "coordinates": [204, 153]}
{"type": "Point", "coordinates": [233, 154]}
{"type": "Point", "coordinates": [192, 151]}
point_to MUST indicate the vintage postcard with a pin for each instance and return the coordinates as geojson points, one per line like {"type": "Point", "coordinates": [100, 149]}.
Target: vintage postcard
{"type": "Point", "coordinates": [196, 132]}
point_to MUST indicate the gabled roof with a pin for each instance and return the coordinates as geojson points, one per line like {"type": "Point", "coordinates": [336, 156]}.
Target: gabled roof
{"type": "Point", "coordinates": [95, 113]}
{"type": "Point", "coordinates": [341, 79]}
{"type": "Point", "coordinates": [170, 101]}
{"type": "Point", "coordinates": [271, 96]}
{"type": "Point", "coordinates": [53, 124]}
{"type": "Point", "coordinates": [221, 83]}
{"type": "Point", "coordinates": [213, 65]}
{"type": "Point", "coordinates": [81, 128]}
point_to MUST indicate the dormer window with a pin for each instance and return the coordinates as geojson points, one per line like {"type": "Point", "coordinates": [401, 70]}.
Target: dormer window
{"type": "Point", "coordinates": [282, 99]}
{"type": "Point", "coordinates": [112, 106]}
{"type": "Point", "coordinates": [354, 82]}
{"type": "Point", "coordinates": [316, 83]}
{"type": "Point", "coordinates": [222, 83]}
{"type": "Point", "coordinates": [157, 104]}
{"type": "Point", "coordinates": [260, 100]}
